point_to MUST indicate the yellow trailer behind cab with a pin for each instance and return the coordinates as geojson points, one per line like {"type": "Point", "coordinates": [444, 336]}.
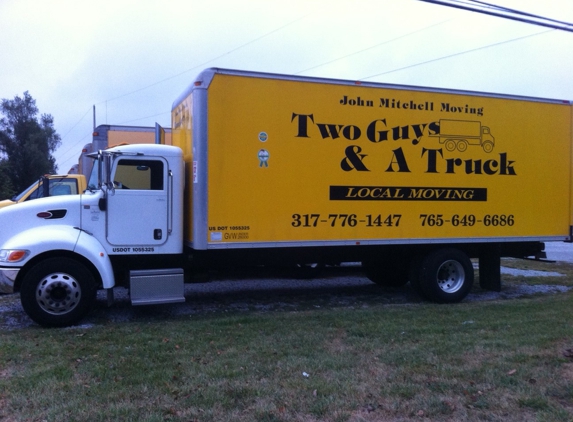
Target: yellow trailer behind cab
{"type": "Point", "coordinates": [411, 181]}
{"type": "Point", "coordinates": [282, 160]}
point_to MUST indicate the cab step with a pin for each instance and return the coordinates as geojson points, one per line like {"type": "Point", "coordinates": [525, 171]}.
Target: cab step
{"type": "Point", "coordinates": [154, 287]}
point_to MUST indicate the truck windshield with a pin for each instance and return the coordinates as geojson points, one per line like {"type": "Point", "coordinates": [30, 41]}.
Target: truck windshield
{"type": "Point", "coordinates": [25, 191]}
{"type": "Point", "coordinates": [93, 181]}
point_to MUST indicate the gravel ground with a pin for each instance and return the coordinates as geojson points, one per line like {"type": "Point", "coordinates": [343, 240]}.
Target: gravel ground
{"type": "Point", "coordinates": [559, 251]}
{"type": "Point", "coordinates": [343, 287]}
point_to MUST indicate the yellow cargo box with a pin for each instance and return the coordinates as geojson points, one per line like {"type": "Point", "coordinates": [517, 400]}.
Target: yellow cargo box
{"type": "Point", "coordinates": [281, 160]}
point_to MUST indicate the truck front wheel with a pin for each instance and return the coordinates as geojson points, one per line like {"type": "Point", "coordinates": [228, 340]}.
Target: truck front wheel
{"type": "Point", "coordinates": [445, 275]}
{"type": "Point", "coordinates": [58, 292]}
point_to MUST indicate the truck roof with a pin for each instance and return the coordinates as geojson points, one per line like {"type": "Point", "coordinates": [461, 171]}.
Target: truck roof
{"type": "Point", "coordinates": [206, 76]}
{"type": "Point", "coordinates": [148, 149]}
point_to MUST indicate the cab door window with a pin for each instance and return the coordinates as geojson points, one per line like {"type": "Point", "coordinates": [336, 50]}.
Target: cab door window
{"type": "Point", "coordinates": [139, 174]}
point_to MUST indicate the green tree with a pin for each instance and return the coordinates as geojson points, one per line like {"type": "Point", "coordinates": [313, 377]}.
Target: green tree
{"type": "Point", "coordinates": [6, 189]}
{"type": "Point", "coordinates": [26, 144]}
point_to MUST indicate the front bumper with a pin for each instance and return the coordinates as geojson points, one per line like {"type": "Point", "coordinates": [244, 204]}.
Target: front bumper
{"type": "Point", "coordinates": [7, 279]}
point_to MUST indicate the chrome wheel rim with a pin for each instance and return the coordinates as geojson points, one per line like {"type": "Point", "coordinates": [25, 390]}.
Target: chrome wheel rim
{"type": "Point", "coordinates": [451, 276]}
{"type": "Point", "coordinates": [58, 293]}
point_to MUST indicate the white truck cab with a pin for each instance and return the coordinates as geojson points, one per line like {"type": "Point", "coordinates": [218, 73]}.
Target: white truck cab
{"type": "Point", "coordinates": [138, 208]}
{"type": "Point", "coordinates": [67, 250]}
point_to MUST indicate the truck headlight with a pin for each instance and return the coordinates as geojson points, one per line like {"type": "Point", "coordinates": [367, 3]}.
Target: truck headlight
{"type": "Point", "coordinates": [13, 255]}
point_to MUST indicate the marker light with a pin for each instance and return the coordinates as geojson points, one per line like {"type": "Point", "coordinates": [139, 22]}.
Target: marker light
{"type": "Point", "coordinates": [13, 255]}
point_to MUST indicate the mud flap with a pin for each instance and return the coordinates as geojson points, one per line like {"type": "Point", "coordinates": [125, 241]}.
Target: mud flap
{"type": "Point", "coordinates": [490, 268]}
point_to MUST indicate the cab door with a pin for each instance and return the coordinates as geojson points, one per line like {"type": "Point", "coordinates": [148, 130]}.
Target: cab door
{"type": "Point", "coordinates": [138, 207]}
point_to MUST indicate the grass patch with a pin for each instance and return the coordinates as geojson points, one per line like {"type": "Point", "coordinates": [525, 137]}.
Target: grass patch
{"type": "Point", "coordinates": [564, 268]}
{"type": "Point", "coordinates": [506, 360]}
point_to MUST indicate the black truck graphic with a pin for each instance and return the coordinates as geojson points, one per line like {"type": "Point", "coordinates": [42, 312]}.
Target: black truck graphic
{"type": "Point", "coordinates": [458, 134]}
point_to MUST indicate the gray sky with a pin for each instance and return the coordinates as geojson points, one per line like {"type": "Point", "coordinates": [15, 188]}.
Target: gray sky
{"type": "Point", "coordinates": [132, 58]}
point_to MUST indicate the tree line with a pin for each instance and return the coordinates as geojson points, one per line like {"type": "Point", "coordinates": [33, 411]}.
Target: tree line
{"type": "Point", "coordinates": [27, 141]}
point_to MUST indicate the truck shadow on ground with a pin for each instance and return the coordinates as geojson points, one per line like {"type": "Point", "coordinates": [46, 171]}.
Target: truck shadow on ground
{"type": "Point", "coordinates": [271, 291]}
{"type": "Point", "coordinates": [253, 291]}
{"type": "Point", "coordinates": [267, 291]}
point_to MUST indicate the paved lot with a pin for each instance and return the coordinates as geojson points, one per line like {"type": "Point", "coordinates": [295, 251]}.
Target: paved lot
{"type": "Point", "coordinates": [344, 288]}
{"type": "Point", "coordinates": [335, 289]}
{"type": "Point", "coordinates": [559, 251]}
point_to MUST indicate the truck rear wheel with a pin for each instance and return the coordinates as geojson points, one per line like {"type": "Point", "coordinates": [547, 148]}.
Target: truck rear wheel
{"type": "Point", "coordinates": [58, 292]}
{"type": "Point", "coordinates": [445, 275]}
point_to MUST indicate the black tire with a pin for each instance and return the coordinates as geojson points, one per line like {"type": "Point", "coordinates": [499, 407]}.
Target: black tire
{"type": "Point", "coordinates": [446, 275]}
{"type": "Point", "coordinates": [58, 292]}
{"type": "Point", "coordinates": [386, 273]}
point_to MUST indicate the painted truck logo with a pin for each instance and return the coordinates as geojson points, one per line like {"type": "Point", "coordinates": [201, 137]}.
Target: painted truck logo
{"type": "Point", "coordinates": [447, 146]}
{"type": "Point", "coordinates": [451, 134]}
{"type": "Point", "coordinates": [459, 134]}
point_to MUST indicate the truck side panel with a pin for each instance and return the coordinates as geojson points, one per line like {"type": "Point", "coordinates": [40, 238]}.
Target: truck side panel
{"type": "Point", "coordinates": [571, 172]}
{"type": "Point", "coordinates": [297, 162]}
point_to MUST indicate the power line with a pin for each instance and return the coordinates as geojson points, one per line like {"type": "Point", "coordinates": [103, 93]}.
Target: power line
{"type": "Point", "coordinates": [456, 54]}
{"type": "Point", "coordinates": [211, 60]}
{"type": "Point", "coordinates": [374, 46]}
{"type": "Point", "coordinates": [198, 66]}
{"type": "Point", "coordinates": [75, 144]}
{"type": "Point", "coordinates": [143, 118]}
{"type": "Point", "coordinates": [62, 157]}
{"type": "Point", "coordinates": [175, 76]}
{"type": "Point", "coordinates": [517, 12]}
{"type": "Point", "coordinates": [503, 12]}
{"type": "Point", "coordinates": [476, 6]}
{"type": "Point", "coordinates": [79, 121]}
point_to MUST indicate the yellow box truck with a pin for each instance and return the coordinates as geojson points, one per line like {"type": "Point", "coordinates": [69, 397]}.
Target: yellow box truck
{"type": "Point", "coordinates": [105, 136]}
{"type": "Point", "coordinates": [272, 169]}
